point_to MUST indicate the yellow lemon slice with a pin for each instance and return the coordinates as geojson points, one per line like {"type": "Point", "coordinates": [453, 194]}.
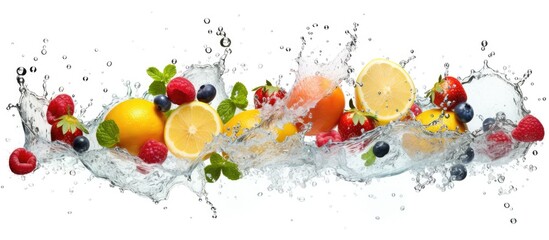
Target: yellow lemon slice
{"type": "Point", "coordinates": [384, 89]}
{"type": "Point", "coordinates": [190, 127]}
{"type": "Point", "coordinates": [248, 119]}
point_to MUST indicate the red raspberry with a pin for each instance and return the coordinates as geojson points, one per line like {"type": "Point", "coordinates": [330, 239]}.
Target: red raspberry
{"type": "Point", "coordinates": [529, 129]}
{"type": "Point", "coordinates": [180, 90]}
{"type": "Point", "coordinates": [153, 152]}
{"type": "Point", "coordinates": [22, 161]}
{"type": "Point", "coordinates": [325, 137]}
{"type": "Point", "coordinates": [59, 106]}
{"type": "Point", "coordinates": [499, 144]}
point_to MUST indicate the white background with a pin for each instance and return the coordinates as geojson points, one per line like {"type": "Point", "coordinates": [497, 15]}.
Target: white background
{"type": "Point", "coordinates": [135, 36]}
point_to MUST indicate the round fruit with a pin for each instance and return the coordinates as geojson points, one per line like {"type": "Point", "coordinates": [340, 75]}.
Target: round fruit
{"type": "Point", "coordinates": [436, 120]}
{"type": "Point", "coordinates": [324, 116]}
{"type": "Point", "coordinates": [458, 172]}
{"type": "Point", "coordinates": [190, 127]}
{"type": "Point", "coordinates": [180, 90]}
{"type": "Point", "coordinates": [138, 121]}
{"type": "Point", "coordinates": [206, 93]}
{"type": "Point", "coordinates": [162, 103]}
{"type": "Point", "coordinates": [464, 112]}
{"type": "Point", "coordinates": [249, 119]}
{"type": "Point", "coordinates": [380, 149]}
{"type": "Point", "coordinates": [385, 90]}
{"type": "Point", "coordinates": [81, 144]}
{"type": "Point", "coordinates": [487, 124]}
{"type": "Point", "coordinates": [468, 155]}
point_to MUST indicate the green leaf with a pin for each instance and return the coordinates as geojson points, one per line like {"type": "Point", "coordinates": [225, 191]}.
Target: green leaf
{"type": "Point", "coordinates": [230, 170]}
{"type": "Point", "coordinates": [369, 157]}
{"type": "Point", "coordinates": [157, 88]}
{"type": "Point", "coordinates": [168, 113]}
{"type": "Point", "coordinates": [155, 74]}
{"type": "Point", "coordinates": [217, 159]}
{"type": "Point", "coordinates": [108, 134]}
{"type": "Point", "coordinates": [226, 110]}
{"type": "Point", "coordinates": [212, 172]}
{"type": "Point", "coordinates": [169, 72]}
{"type": "Point", "coordinates": [239, 91]}
{"type": "Point", "coordinates": [241, 103]}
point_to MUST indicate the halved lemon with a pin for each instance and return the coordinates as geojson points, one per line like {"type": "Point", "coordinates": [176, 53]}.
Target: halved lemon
{"type": "Point", "coordinates": [385, 90]}
{"type": "Point", "coordinates": [190, 127]}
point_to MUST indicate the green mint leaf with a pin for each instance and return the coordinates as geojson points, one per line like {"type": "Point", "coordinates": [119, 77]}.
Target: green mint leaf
{"type": "Point", "coordinates": [168, 113]}
{"type": "Point", "coordinates": [108, 134]}
{"type": "Point", "coordinates": [230, 170]}
{"type": "Point", "coordinates": [155, 74]}
{"type": "Point", "coordinates": [212, 173]}
{"type": "Point", "coordinates": [239, 91]}
{"type": "Point", "coordinates": [169, 72]}
{"type": "Point", "coordinates": [157, 88]}
{"type": "Point", "coordinates": [226, 110]}
{"type": "Point", "coordinates": [217, 159]}
{"type": "Point", "coordinates": [369, 157]}
{"type": "Point", "coordinates": [241, 103]}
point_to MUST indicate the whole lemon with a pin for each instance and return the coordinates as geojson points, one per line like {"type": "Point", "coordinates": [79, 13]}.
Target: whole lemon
{"type": "Point", "coordinates": [138, 121]}
{"type": "Point", "coordinates": [437, 120]}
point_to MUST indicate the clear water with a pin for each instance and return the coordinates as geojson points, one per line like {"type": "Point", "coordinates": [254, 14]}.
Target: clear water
{"type": "Point", "coordinates": [296, 161]}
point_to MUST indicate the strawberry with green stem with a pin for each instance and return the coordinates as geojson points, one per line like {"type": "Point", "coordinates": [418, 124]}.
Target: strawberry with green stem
{"type": "Point", "coordinates": [267, 94]}
{"type": "Point", "coordinates": [66, 128]}
{"type": "Point", "coordinates": [447, 93]}
{"type": "Point", "coordinates": [354, 122]}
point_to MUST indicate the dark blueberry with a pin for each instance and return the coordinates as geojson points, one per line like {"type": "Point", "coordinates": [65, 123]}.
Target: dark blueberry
{"type": "Point", "coordinates": [81, 144]}
{"type": "Point", "coordinates": [488, 123]}
{"type": "Point", "coordinates": [206, 93]}
{"type": "Point", "coordinates": [458, 172]}
{"type": "Point", "coordinates": [464, 112]}
{"type": "Point", "coordinates": [380, 149]}
{"type": "Point", "coordinates": [468, 155]}
{"type": "Point", "coordinates": [162, 103]}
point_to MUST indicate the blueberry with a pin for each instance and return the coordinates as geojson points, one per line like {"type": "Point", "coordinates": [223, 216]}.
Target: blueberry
{"type": "Point", "coordinates": [464, 112]}
{"type": "Point", "coordinates": [458, 172]}
{"type": "Point", "coordinates": [162, 103]}
{"type": "Point", "coordinates": [206, 93]}
{"type": "Point", "coordinates": [488, 123]}
{"type": "Point", "coordinates": [380, 149]}
{"type": "Point", "coordinates": [467, 156]}
{"type": "Point", "coordinates": [81, 144]}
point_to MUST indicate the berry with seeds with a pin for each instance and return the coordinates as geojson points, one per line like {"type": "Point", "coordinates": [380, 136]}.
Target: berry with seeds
{"type": "Point", "coordinates": [22, 161]}
{"type": "Point", "coordinates": [61, 105]}
{"type": "Point", "coordinates": [325, 137]}
{"type": "Point", "coordinates": [529, 129]}
{"type": "Point", "coordinates": [180, 90]}
{"type": "Point", "coordinates": [153, 152]}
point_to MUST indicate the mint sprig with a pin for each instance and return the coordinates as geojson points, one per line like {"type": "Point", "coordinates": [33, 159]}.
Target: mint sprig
{"type": "Point", "coordinates": [218, 165]}
{"type": "Point", "coordinates": [108, 134]}
{"type": "Point", "coordinates": [160, 79]}
{"type": "Point", "coordinates": [369, 157]}
{"type": "Point", "coordinates": [238, 99]}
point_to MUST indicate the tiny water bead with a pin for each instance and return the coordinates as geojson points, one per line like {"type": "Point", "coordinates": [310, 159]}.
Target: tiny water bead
{"type": "Point", "coordinates": [21, 71]}
{"type": "Point", "coordinates": [506, 205]}
{"type": "Point", "coordinates": [109, 63]}
{"type": "Point", "coordinates": [208, 50]}
{"type": "Point", "coordinates": [61, 89]}
{"type": "Point", "coordinates": [326, 27]}
{"type": "Point", "coordinates": [46, 77]}
{"type": "Point", "coordinates": [44, 51]}
{"type": "Point", "coordinates": [35, 59]}
{"type": "Point", "coordinates": [174, 61]}
{"type": "Point", "coordinates": [483, 44]}
{"type": "Point", "coordinates": [513, 220]}
{"type": "Point", "coordinates": [20, 80]}
{"type": "Point", "coordinates": [288, 49]}
{"type": "Point", "coordinates": [64, 57]}
{"type": "Point", "coordinates": [33, 69]}
{"type": "Point", "coordinates": [69, 66]}
{"type": "Point", "coordinates": [206, 20]}
{"type": "Point", "coordinates": [105, 90]}
{"type": "Point", "coordinates": [210, 31]}
{"type": "Point", "coordinates": [535, 152]}
{"type": "Point", "coordinates": [85, 78]}
{"type": "Point", "coordinates": [45, 40]}
{"type": "Point", "coordinates": [225, 42]}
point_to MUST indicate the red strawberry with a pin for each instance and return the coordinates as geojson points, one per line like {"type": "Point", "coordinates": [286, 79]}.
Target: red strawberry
{"type": "Point", "coordinates": [153, 152]}
{"type": "Point", "coordinates": [354, 123]}
{"type": "Point", "coordinates": [62, 104]}
{"type": "Point", "coordinates": [66, 129]}
{"type": "Point", "coordinates": [22, 161]}
{"type": "Point", "coordinates": [529, 129]}
{"type": "Point", "coordinates": [267, 94]}
{"type": "Point", "coordinates": [324, 137]}
{"type": "Point", "coordinates": [499, 144]}
{"type": "Point", "coordinates": [180, 90]}
{"type": "Point", "coordinates": [447, 93]}
{"type": "Point", "coordinates": [414, 111]}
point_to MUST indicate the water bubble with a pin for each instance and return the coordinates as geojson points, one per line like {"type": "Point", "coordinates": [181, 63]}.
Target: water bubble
{"type": "Point", "coordinates": [326, 27]}
{"type": "Point", "coordinates": [206, 20]}
{"type": "Point", "coordinates": [85, 78]}
{"type": "Point", "coordinates": [35, 59]}
{"type": "Point", "coordinates": [288, 49]}
{"type": "Point", "coordinates": [33, 69]}
{"type": "Point", "coordinates": [315, 24]}
{"type": "Point", "coordinates": [377, 218]}
{"type": "Point", "coordinates": [210, 31]}
{"type": "Point", "coordinates": [44, 51]}
{"type": "Point", "coordinates": [506, 205]}
{"type": "Point", "coordinates": [46, 77]}
{"type": "Point", "coordinates": [20, 80]}
{"type": "Point", "coordinates": [412, 51]}
{"type": "Point", "coordinates": [64, 57]}
{"type": "Point", "coordinates": [109, 63]}
{"type": "Point", "coordinates": [402, 208]}
{"type": "Point", "coordinates": [259, 194]}
{"type": "Point", "coordinates": [174, 61]}
{"type": "Point", "coordinates": [72, 172]}
{"type": "Point", "coordinates": [45, 40]}
{"type": "Point", "coordinates": [446, 65]}
{"type": "Point", "coordinates": [543, 98]}
{"type": "Point", "coordinates": [61, 89]}
{"type": "Point", "coordinates": [513, 220]}
{"type": "Point", "coordinates": [69, 212]}
{"type": "Point", "coordinates": [69, 66]}
{"type": "Point", "coordinates": [501, 179]}
{"type": "Point", "coordinates": [96, 50]}
{"type": "Point", "coordinates": [105, 90]}
{"type": "Point", "coordinates": [484, 43]}
{"type": "Point", "coordinates": [21, 71]}
{"type": "Point", "coordinates": [225, 42]}
{"type": "Point", "coordinates": [535, 152]}
{"type": "Point", "coordinates": [208, 50]}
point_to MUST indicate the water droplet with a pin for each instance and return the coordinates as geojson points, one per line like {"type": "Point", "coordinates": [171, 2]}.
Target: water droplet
{"type": "Point", "coordinates": [259, 194]}
{"type": "Point", "coordinates": [220, 28]}
{"type": "Point", "coordinates": [174, 61]}
{"type": "Point", "coordinates": [484, 43]}
{"type": "Point", "coordinates": [501, 179]}
{"type": "Point", "coordinates": [69, 66]}
{"type": "Point", "coordinates": [33, 69]}
{"type": "Point", "coordinates": [44, 51]}
{"type": "Point", "coordinates": [260, 66]}
{"type": "Point", "coordinates": [446, 65]}
{"type": "Point", "coordinates": [208, 50]}
{"type": "Point", "coordinates": [315, 24]}
{"type": "Point", "coordinates": [543, 98]}
{"type": "Point", "coordinates": [402, 208]}
{"type": "Point", "coordinates": [64, 57]}
{"type": "Point", "coordinates": [96, 50]}
{"type": "Point", "coordinates": [165, 208]}
{"type": "Point", "coordinates": [46, 77]}
{"type": "Point", "coordinates": [206, 20]}
{"type": "Point", "coordinates": [61, 89]}
{"type": "Point", "coordinates": [225, 42]}
{"type": "Point", "coordinates": [535, 152]}
{"type": "Point", "coordinates": [288, 49]}
{"type": "Point", "coordinates": [72, 172]}
{"type": "Point", "coordinates": [85, 78]}
{"type": "Point", "coordinates": [506, 205]}
{"type": "Point", "coordinates": [109, 63]}
{"type": "Point", "coordinates": [35, 59]}
{"type": "Point", "coordinates": [20, 80]}
{"type": "Point", "coordinates": [513, 220]}
{"type": "Point", "coordinates": [21, 71]}
{"type": "Point", "coordinates": [45, 40]}
{"type": "Point", "coordinates": [326, 27]}
{"type": "Point", "coordinates": [210, 31]}
{"type": "Point", "coordinates": [105, 90]}
{"type": "Point", "coordinates": [69, 212]}
{"type": "Point", "coordinates": [377, 218]}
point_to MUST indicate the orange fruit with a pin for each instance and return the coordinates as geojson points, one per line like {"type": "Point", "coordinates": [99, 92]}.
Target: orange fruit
{"type": "Point", "coordinates": [138, 121]}
{"type": "Point", "coordinates": [251, 118]}
{"type": "Point", "coordinates": [324, 116]}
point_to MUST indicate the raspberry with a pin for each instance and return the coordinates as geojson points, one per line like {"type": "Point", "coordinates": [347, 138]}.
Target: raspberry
{"type": "Point", "coordinates": [59, 106]}
{"type": "Point", "coordinates": [180, 90]}
{"type": "Point", "coordinates": [153, 152]}
{"type": "Point", "coordinates": [499, 144]}
{"type": "Point", "coordinates": [323, 138]}
{"type": "Point", "coordinates": [22, 161]}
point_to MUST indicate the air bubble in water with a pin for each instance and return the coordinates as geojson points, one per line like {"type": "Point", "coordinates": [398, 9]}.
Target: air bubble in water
{"type": "Point", "coordinates": [46, 77]}
{"type": "Point", "coordinates": [105, 90]}
{"type": "Point", "coordinates": [210, 31]}
{"type": "Point", "coordinates": [326, 27]}
{"type": "Point", "coordinates": [69, 66]}
{"type": "Point", "coordinates": [402, 208]}
{"type": "Point", "coordinates": [513, 220]}
{"type": "Point", "coordinates": [96, 50]}
{"type": "Point", "coordinates": [45, 40]}
{"type": "Point", "coordinates": [85, 78]}
{"type": "Point", "coordinates": [206, 20]}
{"type": "Point", "coordinates": [174, 61]}
{"type": "Point", "coordinates": [33, 69]}
{"type": "Point", "coordinates": [483, 44]}
{"type": "Point", "coordinates": [506, 205]}
{"type": "Point", "coordinates": [64, 57]}
{"type": "Point", "coordinates": [208, 50]}
{"type": "Point", "coordinates": [109, 63]}
{"type": "Point", "coordinates": [225, 42]}
{"type": "Point", "coordinates": [20, 80]}
{"type": "Point", "coordinates": [35, 59]}
{"type": "Point", "coordinates": [288, 49]}
{"type": "Point", "coordinates": [44, 51]}
{"type": "Point", "coordinates": [21, 71]}
{"type": "Point", "coordinates": [72, 172]}
{"type": "Point", "coordinates": [259, 194]}
{"type": "Point", "coordinates": [446, 65]}
{"type": "Point", "coordinates": [535, 152]}
{"type": "Point", "coordinates": [315, 24]}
